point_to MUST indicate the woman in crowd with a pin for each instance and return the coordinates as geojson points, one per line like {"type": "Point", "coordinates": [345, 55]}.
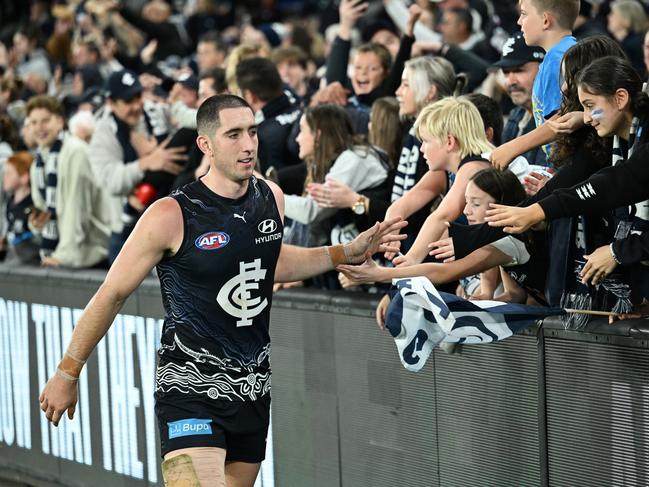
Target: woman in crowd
{"type": "Point", "coordinates": [328, 146]}
{"type": "Point", "coordinates": [368, 206]}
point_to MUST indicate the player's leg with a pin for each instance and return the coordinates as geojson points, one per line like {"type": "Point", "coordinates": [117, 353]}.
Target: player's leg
{"type": "Point", "coordinates": [247, 450]}
{"type": "Point", "coordinates": [241, 474]}
{"type": "Point", "coordinates": [195, 467]}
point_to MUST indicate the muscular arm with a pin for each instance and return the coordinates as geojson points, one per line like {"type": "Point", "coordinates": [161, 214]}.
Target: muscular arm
{"type": "Point", "coordinates": [158, 231]}
{"type": "Point", "coordinates": [298, 263]}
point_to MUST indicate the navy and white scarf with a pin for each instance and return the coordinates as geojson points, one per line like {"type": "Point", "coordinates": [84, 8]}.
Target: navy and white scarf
{"type": "Point", "coordinates": [46, 180]}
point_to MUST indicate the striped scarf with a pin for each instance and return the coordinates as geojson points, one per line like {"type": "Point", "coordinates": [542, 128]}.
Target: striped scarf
{"type": "Point", "coordinates": [46, 181]}
{"type": "Point", "coordinates": [612, 293]}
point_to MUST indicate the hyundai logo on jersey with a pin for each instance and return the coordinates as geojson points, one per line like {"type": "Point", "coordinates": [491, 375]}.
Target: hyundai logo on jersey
{"type": "Point", "coordinates": [267, 226]}
{"type": "Point", "coordinates": [212, 240]}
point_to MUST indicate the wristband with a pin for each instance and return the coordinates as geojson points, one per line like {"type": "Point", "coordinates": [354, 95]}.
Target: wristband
{"type": "Point", "coordinates": [64, 375]}
{"type": "Point", "coordinates": [337, 255]}
{"type": "Point", "coordinates": [71, 365]}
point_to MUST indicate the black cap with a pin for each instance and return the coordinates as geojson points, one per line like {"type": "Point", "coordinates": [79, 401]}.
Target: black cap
{"type": "Point", "coordinates": [516, 53]}
{"type": "Point", "coordinates": [188, 81]}
{"type": "Point", "coordinates": [123, 85]}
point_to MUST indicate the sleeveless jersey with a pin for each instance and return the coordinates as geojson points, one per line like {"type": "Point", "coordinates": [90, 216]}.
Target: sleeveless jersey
{"type": "Point", "coordinates": [217, 292]}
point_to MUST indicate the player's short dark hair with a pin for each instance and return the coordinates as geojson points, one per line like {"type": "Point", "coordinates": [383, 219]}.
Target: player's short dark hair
{"type": "Point", "coordinates": [261, 77]}
{"type": "Point", "coordinates": [208, 118]}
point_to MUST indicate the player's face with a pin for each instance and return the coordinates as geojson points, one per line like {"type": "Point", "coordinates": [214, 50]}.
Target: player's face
{"type": "Point", "coordinates": [234, 144]}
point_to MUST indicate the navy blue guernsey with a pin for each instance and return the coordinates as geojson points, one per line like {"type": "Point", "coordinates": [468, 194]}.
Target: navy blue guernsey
{"type": "Point", "coordinates": [217, 292]}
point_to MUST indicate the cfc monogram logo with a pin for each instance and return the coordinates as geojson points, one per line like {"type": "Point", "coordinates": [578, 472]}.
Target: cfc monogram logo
{"type": "Point", "coordinates": [235, 296]}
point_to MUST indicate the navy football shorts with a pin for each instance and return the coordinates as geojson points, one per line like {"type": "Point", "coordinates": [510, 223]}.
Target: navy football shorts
{"type": "Point", "coordinates": [240, 428]}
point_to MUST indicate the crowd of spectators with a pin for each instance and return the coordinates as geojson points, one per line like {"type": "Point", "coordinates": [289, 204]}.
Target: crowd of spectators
{"type": "Point", "coordinates": [432, 110]}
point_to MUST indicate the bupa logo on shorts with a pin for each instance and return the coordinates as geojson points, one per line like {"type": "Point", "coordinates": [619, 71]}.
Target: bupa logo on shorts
{"type": "Point", "coordinates": [212, 240]}
{"type": "Point", "coordinates": [267, 226]}
{"type": "Point", "coordinates": [189, 427]}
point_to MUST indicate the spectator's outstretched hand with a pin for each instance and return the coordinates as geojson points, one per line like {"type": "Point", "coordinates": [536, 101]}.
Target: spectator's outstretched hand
{"type": "Point", "coordinates": [334, 93]}
{"type": "Point", "coordinates": [415, 13]}
{"type": "Point", "coordinates": [332, 194]}
{"type": "Point", "coordinates": [533, 182]}
{"type": "Point", "coordinates": [501, 157]}
{"type": "Point", "coordinates": [350, 11]}
{"type": "Point", "coordinates": [164, 158]}
{"type": "Point", "coordinates": [379, 238]}
{"type": "Point", "coordinates": [381, 311]}
{"type": "Point", "coordinates": [567, 124]}
{"type": "Point", "coordinates": [367, 272]}
{"type": "Point", "coordinates": [146, 54]}
{"type": "Point", "coordinates": [514, 219]}
{"type": "Point", "coordinates": [442, 250]}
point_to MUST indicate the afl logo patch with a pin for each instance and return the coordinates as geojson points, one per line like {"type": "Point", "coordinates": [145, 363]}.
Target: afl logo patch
{"type": "Point", "coordinates": [212, 240]}
{"type": "Point", "coordinates": [267, 226]}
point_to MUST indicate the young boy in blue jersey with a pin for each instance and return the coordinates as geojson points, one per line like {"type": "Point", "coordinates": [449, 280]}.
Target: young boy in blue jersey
{"type": "Point", "coordinates": [548, 24]}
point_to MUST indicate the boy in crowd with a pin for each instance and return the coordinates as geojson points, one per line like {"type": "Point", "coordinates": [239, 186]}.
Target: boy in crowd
{"type": "Point", "coordinates": [547, 24]}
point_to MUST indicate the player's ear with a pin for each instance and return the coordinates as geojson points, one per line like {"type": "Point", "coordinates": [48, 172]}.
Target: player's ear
{"type": "Point", "coordinates": [204, 144]}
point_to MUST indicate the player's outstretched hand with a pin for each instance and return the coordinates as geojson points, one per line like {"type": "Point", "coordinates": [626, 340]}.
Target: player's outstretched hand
{"type": "Point", "coordinates": [59, 395]}
{"type": "Point", "coordinates": [379, 238]}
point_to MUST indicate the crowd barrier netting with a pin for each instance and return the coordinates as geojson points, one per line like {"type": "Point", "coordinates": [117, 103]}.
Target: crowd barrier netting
{"type": "Point", "coordinates": [545, 408]}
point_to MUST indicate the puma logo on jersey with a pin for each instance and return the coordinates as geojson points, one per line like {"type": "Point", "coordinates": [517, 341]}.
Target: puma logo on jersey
{"type": "Point", "coordinates": [243, 217]}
